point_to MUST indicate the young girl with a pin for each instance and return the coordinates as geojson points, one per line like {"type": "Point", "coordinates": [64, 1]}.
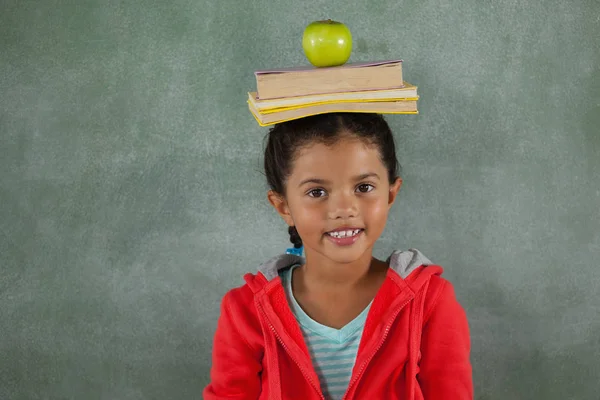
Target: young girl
{"type": "Point", "coordinates": [339, 323]}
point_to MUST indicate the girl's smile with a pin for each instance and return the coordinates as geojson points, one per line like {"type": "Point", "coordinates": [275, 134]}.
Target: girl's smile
{"type": "Point", "coordinates": [345, 236]}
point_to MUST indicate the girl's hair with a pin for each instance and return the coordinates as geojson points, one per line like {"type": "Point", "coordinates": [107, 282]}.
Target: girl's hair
{"type": "Point", "coordinates": [286, 138]}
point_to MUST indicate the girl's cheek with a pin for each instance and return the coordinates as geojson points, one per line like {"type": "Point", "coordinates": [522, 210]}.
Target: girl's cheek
{"type": "Point", "coordinates": [376, 204]}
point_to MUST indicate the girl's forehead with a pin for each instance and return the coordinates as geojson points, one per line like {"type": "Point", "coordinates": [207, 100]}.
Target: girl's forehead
{"type": "Point", "coordinates": [343, 155]}
{"type": "Point", "coordinates": [340, 147]}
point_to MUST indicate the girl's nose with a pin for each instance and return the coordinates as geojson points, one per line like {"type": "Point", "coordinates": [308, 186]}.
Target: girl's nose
{"type": "Point", "coordinates": [343, 206]}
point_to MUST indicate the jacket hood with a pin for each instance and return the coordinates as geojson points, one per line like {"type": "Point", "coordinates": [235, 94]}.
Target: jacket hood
{"type": "Point", "coordinates": [403, 262]}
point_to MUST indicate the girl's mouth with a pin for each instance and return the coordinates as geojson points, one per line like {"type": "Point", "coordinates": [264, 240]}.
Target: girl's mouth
{"type": "Point", "coordinates": [344, 237]}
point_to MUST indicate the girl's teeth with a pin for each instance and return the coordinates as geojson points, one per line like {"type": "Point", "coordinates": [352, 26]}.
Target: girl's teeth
{"type": "Point", "coordinates": [343, 234]}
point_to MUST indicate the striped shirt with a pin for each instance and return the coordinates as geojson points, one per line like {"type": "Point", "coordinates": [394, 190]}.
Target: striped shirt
{"type": "Point", "coordinates": [333, 351]}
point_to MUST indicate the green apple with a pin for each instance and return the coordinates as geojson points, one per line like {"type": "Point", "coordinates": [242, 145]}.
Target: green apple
{"type": "Point", "coordinates": [327, 43]}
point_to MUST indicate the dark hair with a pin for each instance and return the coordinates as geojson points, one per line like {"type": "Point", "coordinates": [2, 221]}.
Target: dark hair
{"type": "Point", "coordinates": [284, 140]}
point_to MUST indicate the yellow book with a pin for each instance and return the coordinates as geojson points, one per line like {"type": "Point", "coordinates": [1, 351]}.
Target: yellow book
{"type": "Point", "coordinates": [408, 92]}
{"type": "Point", "coordinates": [379, 107]}
{"type": "Point", "coordinates": [280, 109]}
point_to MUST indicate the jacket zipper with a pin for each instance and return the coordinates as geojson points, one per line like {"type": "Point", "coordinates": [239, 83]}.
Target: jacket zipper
{"type": "Point", "coordinates": [367, 361]}
{"type": "Point", "coordinates": [280, 340]}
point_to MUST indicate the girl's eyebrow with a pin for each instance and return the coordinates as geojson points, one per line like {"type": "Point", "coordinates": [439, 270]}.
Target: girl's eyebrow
{"type": "Point", "coordinates": [316, 181]}
{"type": "Point", "coordinates": [319, 181]}
{"type": "Point", "coordinates": [367, 175]}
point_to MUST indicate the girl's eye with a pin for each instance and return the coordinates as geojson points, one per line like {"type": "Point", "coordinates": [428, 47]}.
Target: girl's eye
{"type": "Point", "coordinates": [316, 193]}
{"type": "Point", "coordinates": [365, 188]}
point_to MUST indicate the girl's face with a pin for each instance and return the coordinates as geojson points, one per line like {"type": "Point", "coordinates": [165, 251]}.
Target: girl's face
{"type": "Point", "coordinates": [338, 197]}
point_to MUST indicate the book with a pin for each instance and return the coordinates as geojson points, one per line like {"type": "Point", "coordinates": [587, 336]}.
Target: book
{"type": "Point", "coordinates": [380, 107]}
{"type": "Point", "coordinates": [307, 81]}
{"type": "Point", "coordinates": [408, 92]}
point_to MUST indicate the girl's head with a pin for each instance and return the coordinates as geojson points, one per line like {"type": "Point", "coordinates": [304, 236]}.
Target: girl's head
{"type": "Point", "coordinates": [333, 178]}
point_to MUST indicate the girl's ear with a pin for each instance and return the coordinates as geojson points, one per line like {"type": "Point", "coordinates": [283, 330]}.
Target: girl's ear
{"type": "Point", "coordinates": [280, 205]}
{"type": "Point", "coordinates": [394, 188]}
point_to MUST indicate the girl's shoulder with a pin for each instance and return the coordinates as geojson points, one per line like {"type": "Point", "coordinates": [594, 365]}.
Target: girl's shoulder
{"type": "Point", "coordinates": [238, 314]}
{"type": "Point", "coordinates": [238, 299]}
{"type": "Point", "coordinates": [441, 299]}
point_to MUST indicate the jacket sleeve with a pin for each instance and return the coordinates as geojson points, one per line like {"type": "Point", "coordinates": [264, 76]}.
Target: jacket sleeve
{"type": "Point", "coordinates": [236, 365]}
{"type": "Point", "coordinates": [445, 369]}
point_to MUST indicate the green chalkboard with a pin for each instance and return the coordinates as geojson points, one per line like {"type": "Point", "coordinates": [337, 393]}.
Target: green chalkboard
{"type": "Point", "coordinates": [132, 196]}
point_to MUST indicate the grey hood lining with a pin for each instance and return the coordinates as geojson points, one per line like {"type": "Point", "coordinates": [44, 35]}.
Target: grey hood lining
{"type": "Point", "coordinates": [402, 261]}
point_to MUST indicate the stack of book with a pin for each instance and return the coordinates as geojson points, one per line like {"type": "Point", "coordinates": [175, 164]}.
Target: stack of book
{"type": "Point", "coordinates": [292, 93]}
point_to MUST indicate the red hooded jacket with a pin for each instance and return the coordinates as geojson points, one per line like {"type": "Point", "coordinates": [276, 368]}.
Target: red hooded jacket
{"type": "Point", "coordinates": [415, 344]}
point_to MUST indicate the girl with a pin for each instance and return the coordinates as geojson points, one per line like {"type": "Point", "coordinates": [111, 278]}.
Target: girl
{"type": "Point", "coordinates": [339, 323]}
